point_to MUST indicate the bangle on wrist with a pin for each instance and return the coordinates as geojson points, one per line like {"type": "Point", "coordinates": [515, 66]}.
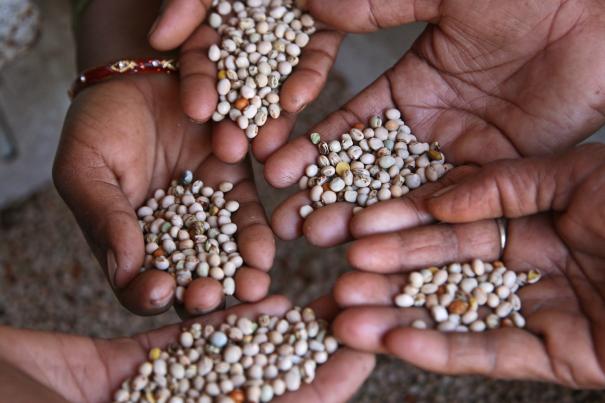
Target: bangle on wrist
{"type": "Point", "coordinates": [119, 68]}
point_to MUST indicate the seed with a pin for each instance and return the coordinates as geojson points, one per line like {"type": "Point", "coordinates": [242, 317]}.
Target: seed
{"type": "Point", "coordinates": [328, 197]}
{"type": "Point", "coordinates": [458, 307]}
{"type": "Point", "coordinates": [393, 114]}
{"type": "Point", "coordinates": [504, 309]}
{"type": "Point", "coordinates": [337, 184]}
{"type": "Point", "coordinates": [478, 267]}
{"type": "Point", "coordinates": [186, 339]}
{"type": "Point", "coordinates": [223, 87]}
{"type": "Point", "coordinates": [342, 167]}
{"type": "Point", "coordinates": [241, 103]}
{"type": "Point", "coordinates": [533, 276]}
{"type": "Point", "coordinates": [154, 354]}
{"type": "Point", "coordinates": [404, 300]}
{"type": "Point", "coordinates": [435, 155]}
{"type": "Point", "coordinates": [315, 138]}
{"type": "Point", "coordinates": [518, 319]}
{"type": "Point", "coordinates": [439, 313]}
{"type": "Point", "coordinates": [419, 324]}
{"type": "Point", "coordinates": [375, 121]}
{"type": "Point", "coordinates": [478, 326]}
{"type": "Point", "coordinates": [469, 317]}
{"type": "Point", "coordinates": [429, 288]}
{"type": "Point", "coordinates": [447, 326]}
{"type": "Point", "coordinates": [214, 53]}
{"type": "Point", "coordinates": [502, 292]}
{"type": "Point", "coordinates": [305, 211]}
{"type": "Point", "coordinates": [468, 285]}
{"type": "Point", "coordinates": [440, 277]}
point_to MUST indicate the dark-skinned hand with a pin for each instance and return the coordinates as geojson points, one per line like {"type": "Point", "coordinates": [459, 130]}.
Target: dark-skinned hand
{"type": "Point", "coordinates": [556, 224]}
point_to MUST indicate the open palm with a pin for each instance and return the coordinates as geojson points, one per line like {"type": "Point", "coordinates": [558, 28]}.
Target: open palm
{"type": "Point", "coordinates": [488, 80]}
{"type": "Point", "coordinates": [122, 140]}
{"type": "Point", "coordinates": [82, 369]}
{"type": "Point", "coordinates": [555, 206]}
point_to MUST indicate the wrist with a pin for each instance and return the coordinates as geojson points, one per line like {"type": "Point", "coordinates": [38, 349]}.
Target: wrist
{"type": "Point", "coordinates": [111, 30]}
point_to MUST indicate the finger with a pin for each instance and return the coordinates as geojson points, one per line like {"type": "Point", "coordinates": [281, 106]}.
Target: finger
{"type": "Point", "coordinates": [504, 353]}
{"type": "Point", "coordinates": [274, 305]}
{"type": "Point", "coordinates": [198, 75]}
{"type": "Point", "coordinates": [203, 295]}
{"type": "Point", "coordinates": [325, 227]}
{"type": "Point", "coordinates": [517, 188]}
{"type": "Point", "coordinates": [363, 328]}
{"type": "Point", "coordinates": [359, 288]}
{"type": "Point", "coordinates": [426, 246]}
{"type": "Point", "coordinates": [149, 293]}
{"type": "Point", "coordinates": [329, 385]}
{"type": "Point", "coordinates": [286, 221]}
{"type": "Point", "coordinates": [372, 15]}
{"type": "Point", "coordinates": [287, 165]}
{"type": "Point", "coordinates": [251, 285]}
{"type": "Point", "coordinates": [229, 142]}
{"type": "Point", "coordinates": [310, 75]}
{"type": "Point", "coordinates": [325, 307]}
{"type": "Point", "coordinates": [104, 213]}
{"type": "Point", "coordinates": [255, 238]}
{"type": "Point", "coordinates": [559, 316]}
{"type": "Point", "coordinates": [328, 226]}
{"type": "Point", "coordinates": [273, 135]}
{"type": "Point", "coordinates": [399, 214]}
{"type": "Point", "coordinates": [178, 20]}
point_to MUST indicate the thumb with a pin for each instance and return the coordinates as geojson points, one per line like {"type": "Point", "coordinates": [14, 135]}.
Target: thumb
{"type": "Point", "coordinates": [104, 214]}
{"type": "Point", "coordinates": [516, 188]}
{"type": "Point", "coordinates": [177, 22]}
{"type": "Point", "coordinates": [372, 15]}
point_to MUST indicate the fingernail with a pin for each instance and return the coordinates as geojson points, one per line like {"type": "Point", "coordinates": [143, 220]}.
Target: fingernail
{"type": "Point", "coordinates": [112, 268]}
{"type": "Point", "coordinates": [161, 299]}
{"type": "Point", "coordinates": [443, 191]}
{"type": "Point", "coordinates": [154, 26]}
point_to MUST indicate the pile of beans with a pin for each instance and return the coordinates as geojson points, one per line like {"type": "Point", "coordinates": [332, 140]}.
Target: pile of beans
{"type": "Point", "coordinates": [238, 361]}
{"type": "Point", "coordinates": [261, 42]}
{"type": "Point", "coordinates": [456, 293]}
{"type": "Point", "coordinates": [371, 164]}
{"type": "Point", "coordinates": [189, 233]}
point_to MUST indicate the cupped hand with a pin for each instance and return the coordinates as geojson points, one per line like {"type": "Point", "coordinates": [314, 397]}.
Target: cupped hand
{"type": "Point", "coordinates": [556, 224]}
{"type": "Point", "coordinates": [125, 138]}
{"type": "Point", "coordinates": [487, 80]}
{"type": "Point", "coordinates": [180, 24]}
{"type": "Point", "coordinates": [82, 369]}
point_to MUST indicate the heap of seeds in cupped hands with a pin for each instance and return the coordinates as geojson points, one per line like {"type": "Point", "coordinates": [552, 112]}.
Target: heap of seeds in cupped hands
{"type": "Point", "coordinates": [371, 164]}
{"type": "Point", "coordinates": [261, 41]}
{"type": "Point", "coordinates": [238, 361]}
{"type": "Point", "coordinates": [189, 233]}
{"type": "Point", "coordinates": [457, 294]}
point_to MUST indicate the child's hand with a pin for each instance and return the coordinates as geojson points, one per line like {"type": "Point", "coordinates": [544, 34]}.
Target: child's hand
{"type": "Point", "coordinates": [180, 24]}
{"type": "Point", "coordinates": [122, 140]}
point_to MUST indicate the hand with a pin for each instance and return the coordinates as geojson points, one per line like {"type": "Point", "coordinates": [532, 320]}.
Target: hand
{"type": "Point", "coordinates": [122, 140]}
{"type": "Point", "coordinates": [556, 224]}
{"type": "Point", "coordinates": [488, 80]}
{"type": "Point", "coordinates": [180, 25]}
{"type": "Point", "coordinates": [82, 369]}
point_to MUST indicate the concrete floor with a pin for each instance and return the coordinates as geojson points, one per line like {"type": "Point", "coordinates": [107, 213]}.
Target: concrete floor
{"type": "Point", "coordinates": [49, 279]}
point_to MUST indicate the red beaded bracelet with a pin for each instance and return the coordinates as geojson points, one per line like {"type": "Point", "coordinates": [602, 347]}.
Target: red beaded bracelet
{"type": "Point", "coordinates": [122, 67]}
